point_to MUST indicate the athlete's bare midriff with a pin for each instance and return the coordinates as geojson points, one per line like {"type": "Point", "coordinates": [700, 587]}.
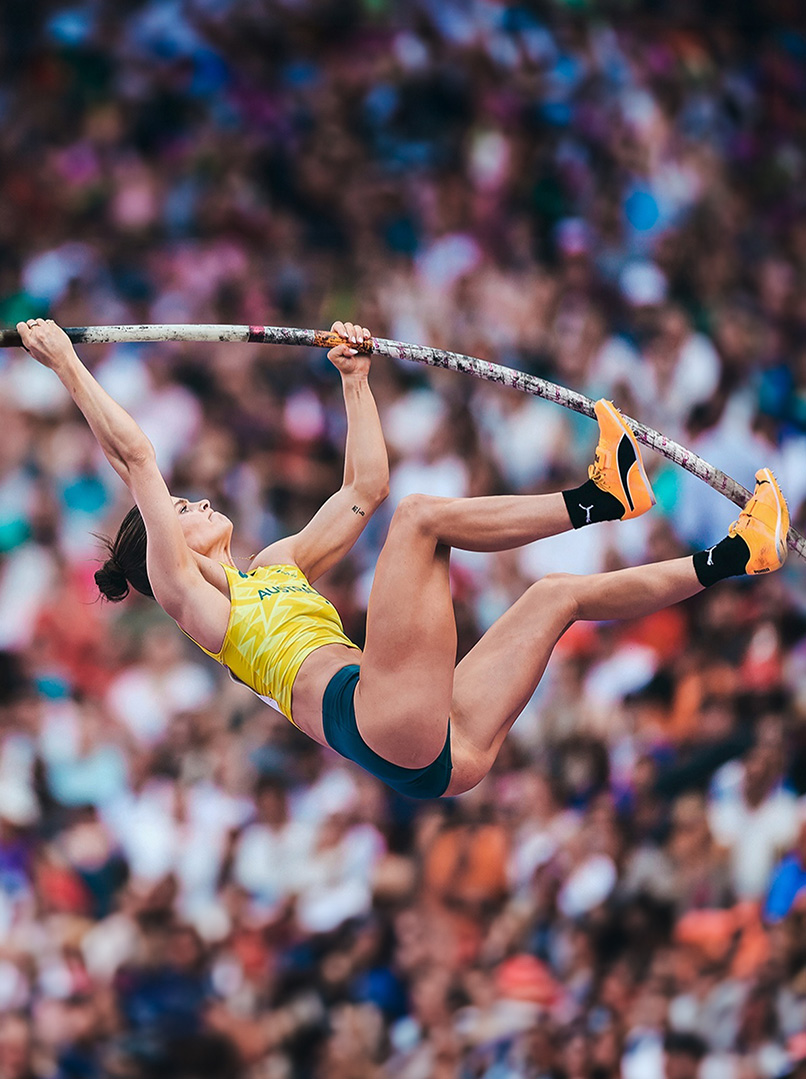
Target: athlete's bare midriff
{"type": "Point", "coordinates": [309, 686]}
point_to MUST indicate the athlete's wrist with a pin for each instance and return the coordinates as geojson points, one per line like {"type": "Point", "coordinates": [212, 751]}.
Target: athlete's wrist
{"type": "Point", "coordinates": [66, 363]}
{"type": "Point", "coordinates": [355, 378]}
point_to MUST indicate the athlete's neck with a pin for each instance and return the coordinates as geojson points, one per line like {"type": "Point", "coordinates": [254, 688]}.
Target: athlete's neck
{"type": "Point", "coordinates": [221, 552]}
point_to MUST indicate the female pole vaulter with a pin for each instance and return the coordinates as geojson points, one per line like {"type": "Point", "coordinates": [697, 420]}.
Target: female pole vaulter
{"type": "Point", "coordinates": [400, 708]}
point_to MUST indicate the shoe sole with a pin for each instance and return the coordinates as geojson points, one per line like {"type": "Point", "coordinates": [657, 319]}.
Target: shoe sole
{"type": "Point", "coordinates": [614, 413]}
{"type": "Point", "coordinates": [780, 540]}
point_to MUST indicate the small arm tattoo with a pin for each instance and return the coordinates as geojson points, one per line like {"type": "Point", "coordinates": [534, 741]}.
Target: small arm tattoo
{"type": "Point", "coordinates": [357, 509]}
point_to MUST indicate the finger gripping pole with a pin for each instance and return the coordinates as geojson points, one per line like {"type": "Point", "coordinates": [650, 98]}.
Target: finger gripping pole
{"type": "Point", "coordinates": [433, 357]}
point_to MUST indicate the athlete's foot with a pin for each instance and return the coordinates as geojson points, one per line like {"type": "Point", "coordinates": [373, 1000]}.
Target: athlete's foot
{"type": "Point", "coordinates": [618, 487]}
{"type": "Point", "coordinates": [755, 543]}
{"type": "Point", "coordinates": [763, 525]}
{"type": "Point", "coordinates": [618, 468]}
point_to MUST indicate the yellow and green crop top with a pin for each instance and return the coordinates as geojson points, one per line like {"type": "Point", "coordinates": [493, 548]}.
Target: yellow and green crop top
{"type": "Point", "coordinates": [276, 620]}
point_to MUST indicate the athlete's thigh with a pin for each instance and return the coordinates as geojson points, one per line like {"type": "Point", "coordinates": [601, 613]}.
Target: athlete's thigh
{"type": "Point", "coordinates": [494, 682]}
{"type": "Point", "coordinates": [404, 694]}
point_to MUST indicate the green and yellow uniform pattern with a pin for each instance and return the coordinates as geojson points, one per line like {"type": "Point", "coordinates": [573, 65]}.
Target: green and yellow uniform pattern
{"type": "Point", "coordinates": [276, 620]}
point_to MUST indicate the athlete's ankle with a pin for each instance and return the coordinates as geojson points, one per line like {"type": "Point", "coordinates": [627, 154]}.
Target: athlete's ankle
{"type": "Point", "coordinates": [728, 558]}
{"type": "Point", "coordinates": [589, 505]}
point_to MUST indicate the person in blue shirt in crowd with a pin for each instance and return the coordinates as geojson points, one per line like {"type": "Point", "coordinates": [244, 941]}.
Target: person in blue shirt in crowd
{"type": "Point", "coordinates": [788, 886]}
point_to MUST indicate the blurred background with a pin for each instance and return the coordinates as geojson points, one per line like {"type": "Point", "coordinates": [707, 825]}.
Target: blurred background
{"type": "Point", "coordinates": [611, 195]}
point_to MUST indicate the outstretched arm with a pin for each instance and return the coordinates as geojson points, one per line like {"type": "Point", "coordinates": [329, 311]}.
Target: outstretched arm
{"type": "Point", "coordinates": [341, 520]}
{"type": "Point", "coordinates": [122, 441]}
{"type": "Point", "coordinates": [172, 569]}
{"type": "Point", "coordinates": [366, 463]}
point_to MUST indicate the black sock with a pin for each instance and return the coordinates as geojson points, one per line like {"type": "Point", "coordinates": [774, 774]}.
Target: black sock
{"type": "Point", "coordinates": [589, 504]}
{"type": "Point", "coordinates": [728, 558]}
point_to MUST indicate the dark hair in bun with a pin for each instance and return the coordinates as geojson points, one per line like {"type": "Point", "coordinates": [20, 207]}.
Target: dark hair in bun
{"type": "Point", "coordinates": [126, 564]}
{"type": "Point", "coordinates": [111, 580]}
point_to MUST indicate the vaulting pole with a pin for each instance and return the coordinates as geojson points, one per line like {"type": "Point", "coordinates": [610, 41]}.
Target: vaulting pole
{"type": "Point", "coordinates": [434, 357]}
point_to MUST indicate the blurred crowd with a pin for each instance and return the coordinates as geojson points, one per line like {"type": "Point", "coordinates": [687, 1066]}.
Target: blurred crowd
{"type": "Point", "coordinates": [612, 196]}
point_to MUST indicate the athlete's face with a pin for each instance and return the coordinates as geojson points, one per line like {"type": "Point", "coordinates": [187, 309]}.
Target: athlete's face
{"type": "Point", "coordinates": [204, 529]}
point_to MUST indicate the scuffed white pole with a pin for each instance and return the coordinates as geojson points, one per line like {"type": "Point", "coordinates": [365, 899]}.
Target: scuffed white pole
{"type": "Point", "coordinates": [434, 357]}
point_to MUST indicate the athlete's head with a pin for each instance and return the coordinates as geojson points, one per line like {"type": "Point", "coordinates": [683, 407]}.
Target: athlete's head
{"type": "Point", "coordinates": [204, 529]}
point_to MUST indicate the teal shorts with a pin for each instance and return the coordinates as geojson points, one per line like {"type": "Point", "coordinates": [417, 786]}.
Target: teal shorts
{"type": "Point", "coordinates": [342, 734]}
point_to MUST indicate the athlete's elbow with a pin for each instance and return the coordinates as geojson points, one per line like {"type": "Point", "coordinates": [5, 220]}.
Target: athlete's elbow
{"type": "Point", "coordinates": [371, 494]}
{"type": "Point", "coordinates": [377, 494]}
{"type": "Point", "coordinates": [129, 459]}
{"type": "Point", "coordinates": [139, 453]}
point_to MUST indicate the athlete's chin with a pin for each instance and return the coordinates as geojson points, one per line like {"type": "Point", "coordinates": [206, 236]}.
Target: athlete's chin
{"type": "Point", "coordinates": [217, 531]}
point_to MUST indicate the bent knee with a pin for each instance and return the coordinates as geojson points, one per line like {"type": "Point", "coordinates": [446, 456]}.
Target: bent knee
{"type": "Point", "coordinates": [416, 511]}
{"type": "Point", "coordinates": [557, 592]}
{"type": "Point", "coordinates": [558, 578]}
